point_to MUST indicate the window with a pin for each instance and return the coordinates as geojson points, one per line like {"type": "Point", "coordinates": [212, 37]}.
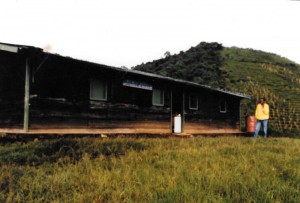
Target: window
{"type": "Point", "coordinates": [98, 90]}
{"type": "Point", "coordinates": [193, 102]}
{"type": "Point", "coordinates": [157, 97]}
{"type": "Point", "coordinates": [223, 106]}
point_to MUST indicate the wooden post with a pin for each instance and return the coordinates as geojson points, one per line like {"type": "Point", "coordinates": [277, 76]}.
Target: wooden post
{"type": "Point", "coordinates": [183, 110]}
{"type": "Point", "coordinates": [240, 116]}
{"type": "Point", "coordinates": [26, 97]}
{"type": "Point", "coordinates": [171, 113]}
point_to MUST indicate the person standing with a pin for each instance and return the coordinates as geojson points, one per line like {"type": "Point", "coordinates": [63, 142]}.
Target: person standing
{"type": "Point", "coordinates": [262, 115]}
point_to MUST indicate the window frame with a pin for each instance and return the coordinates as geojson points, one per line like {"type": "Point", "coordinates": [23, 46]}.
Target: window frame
{"type": "Point", "coordinates": [162, 94]}
{"type": "Point", "coordinates": [197, 102]}
{"type": "Point", "coordinates": [224, 101]}
{"type": "Point", "coordinates": [91, 89]}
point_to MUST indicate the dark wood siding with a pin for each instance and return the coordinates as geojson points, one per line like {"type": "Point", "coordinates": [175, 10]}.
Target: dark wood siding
{"type": "Point", "coordinates": [208, 117]}
{"type": "Point", "coordinates": [12, 68]}
{"type": "Point", "coordinates": [60, 99]}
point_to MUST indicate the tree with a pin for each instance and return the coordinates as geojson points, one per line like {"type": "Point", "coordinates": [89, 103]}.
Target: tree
{"type": "Point", "coordinates": [167, 54]}
{"type": "Point", "coordinates": [200, 64]}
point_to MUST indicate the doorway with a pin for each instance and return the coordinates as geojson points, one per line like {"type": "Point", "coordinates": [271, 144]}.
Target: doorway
{"type": "Point", "coordinates": [177, 106]}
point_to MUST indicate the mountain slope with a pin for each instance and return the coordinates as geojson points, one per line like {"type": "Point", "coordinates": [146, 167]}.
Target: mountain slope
{"type": "Point", "coordinates": [269, 70]}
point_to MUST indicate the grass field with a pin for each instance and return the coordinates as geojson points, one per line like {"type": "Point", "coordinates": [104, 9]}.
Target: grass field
{"type": "Point", "coordinates": [199, 169]}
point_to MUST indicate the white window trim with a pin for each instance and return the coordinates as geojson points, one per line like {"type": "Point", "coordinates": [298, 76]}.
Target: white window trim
{"type": "Point", "coordinates": [225, 104]}
{"type": "Point", "coordinates": [97, 99]}
{"type": "Point", "coordinates": [197, 101]}
{"type": "Point", "coordinates": [163, 97]}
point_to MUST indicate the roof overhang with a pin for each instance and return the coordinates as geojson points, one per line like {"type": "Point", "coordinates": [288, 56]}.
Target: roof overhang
{"type": "Point", "coordinates": [9, 48]}
{"type": "Point", "coordinates": [16, 48]}
{"type": "Point", "coordinates": [179, 81]}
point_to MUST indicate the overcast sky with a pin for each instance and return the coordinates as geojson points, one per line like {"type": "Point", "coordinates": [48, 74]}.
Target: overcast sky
{"type": "Point", "coordinates": [130, 32]}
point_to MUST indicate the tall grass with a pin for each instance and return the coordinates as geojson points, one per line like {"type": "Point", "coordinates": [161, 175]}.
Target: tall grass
{"type": "Point", "coordinates": [223, 169]}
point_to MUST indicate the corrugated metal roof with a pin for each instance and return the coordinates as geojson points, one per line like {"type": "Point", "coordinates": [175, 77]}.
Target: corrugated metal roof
{"type": "Point", "coordinates": [136, 72]}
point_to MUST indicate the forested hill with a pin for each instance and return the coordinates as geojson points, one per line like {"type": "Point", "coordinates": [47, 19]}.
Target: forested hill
{"type": "Point", "coordinates": [200, 64]}
{"type": "Point", "coordinates": [249, 71]}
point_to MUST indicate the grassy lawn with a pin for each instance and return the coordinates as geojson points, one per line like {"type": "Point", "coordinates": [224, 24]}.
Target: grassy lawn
{"type": "Point", "coordinates": [199, 169]}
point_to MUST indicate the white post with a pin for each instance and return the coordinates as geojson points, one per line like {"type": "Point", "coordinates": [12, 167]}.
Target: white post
{"type": "Point", "coordinates": [26, 97]}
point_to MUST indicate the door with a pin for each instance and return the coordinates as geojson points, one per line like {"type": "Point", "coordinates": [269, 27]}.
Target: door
{"type": "Point", "coordinates": [177, 109]}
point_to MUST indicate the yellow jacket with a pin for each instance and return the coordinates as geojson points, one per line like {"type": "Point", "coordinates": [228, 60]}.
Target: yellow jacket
{"type": "Point", "coordinates": [262, 112]}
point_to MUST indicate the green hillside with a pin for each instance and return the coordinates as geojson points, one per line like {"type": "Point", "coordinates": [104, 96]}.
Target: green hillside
{"type": "Point", "coordinates": [278, 74]}
{"type": "Point", "coordinates": [260, 74]}
{"type": "Point", "coordinates": [248, 71]}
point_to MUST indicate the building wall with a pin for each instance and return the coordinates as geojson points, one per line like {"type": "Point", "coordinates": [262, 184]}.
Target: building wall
{"type": "Point", "coordinates": [62, 100]}
{"type": "Point", "coordinates": [215, 113]}
{"type": "Point", "coordinates": [60, 90]}
{"type": "Point", "coordinates": [12, 72]}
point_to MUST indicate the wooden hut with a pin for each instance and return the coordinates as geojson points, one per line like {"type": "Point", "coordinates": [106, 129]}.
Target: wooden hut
{"type": "Point", "coordinates": [48, 93]}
